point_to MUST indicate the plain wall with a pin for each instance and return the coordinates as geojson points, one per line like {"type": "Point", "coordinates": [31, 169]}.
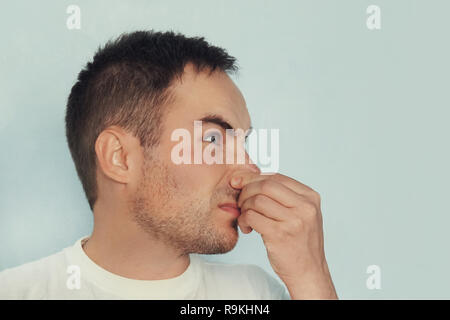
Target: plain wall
{"type": "Point", "coordinates": [363, 118]}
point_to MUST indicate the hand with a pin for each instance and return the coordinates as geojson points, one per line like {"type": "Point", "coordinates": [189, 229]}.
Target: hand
{"type": "Point", "coordinates": [287, 214]}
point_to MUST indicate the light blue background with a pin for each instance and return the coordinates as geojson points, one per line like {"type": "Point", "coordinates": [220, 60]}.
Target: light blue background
{"type": "Point", "coordinates": [363, 118]}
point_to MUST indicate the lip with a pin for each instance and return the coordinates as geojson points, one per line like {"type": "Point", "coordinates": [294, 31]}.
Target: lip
{"type": "Point", "coordinates": [231, 208]}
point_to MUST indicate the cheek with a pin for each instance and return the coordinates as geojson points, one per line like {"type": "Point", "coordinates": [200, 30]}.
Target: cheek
{"type": "Point", "coordinates": [192, 180]}
{"type": "Point", "coordinates": [198, 179]}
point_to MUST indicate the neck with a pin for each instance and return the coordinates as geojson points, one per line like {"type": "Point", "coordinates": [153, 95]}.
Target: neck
{"type": "Point", "coordinates": [126, 250]}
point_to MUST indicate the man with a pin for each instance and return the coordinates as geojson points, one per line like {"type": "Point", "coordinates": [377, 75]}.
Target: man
{"type": "Point", "coordinates": [151, 215]}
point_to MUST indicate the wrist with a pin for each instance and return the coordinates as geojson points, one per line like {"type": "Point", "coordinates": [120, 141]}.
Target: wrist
{"type": "Point", "coordinates": [311, 286]}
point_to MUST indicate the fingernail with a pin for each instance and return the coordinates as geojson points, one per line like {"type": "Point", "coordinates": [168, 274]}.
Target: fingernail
{"type": "Point", "coordinates": [236, 181]}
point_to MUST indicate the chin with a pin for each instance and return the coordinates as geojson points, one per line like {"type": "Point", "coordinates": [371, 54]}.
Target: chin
{"type": "Point", "coordinates": [229, 240]}
{"type": "Point", "coordinates": [224, 241]}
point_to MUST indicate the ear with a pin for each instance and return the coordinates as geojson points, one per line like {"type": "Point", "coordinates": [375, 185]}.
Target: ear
{"type": "Point", "coordinates": [113, 155]}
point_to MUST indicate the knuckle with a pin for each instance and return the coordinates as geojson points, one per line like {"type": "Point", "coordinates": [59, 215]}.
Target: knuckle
{"type": "Point", "coordinates": [259, 201]}
{"type": "Point", "coordinates": [266, 186]}
{"type": "Point", "coordinates": [288, 229]}
{"type": "Point", "coordinates": [297, 224]}
{"type": "Point", "coordinates": [316, 197]}
{"type": "Point", "coordinates": [250, 215]}
{"type": "Point", "coordinates": [309, 209]}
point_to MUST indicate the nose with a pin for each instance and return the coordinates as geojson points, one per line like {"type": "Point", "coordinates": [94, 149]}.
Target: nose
{"type": "Point", "coordinates": [246, 163]}
{"type": "Point", "coordinates": [251, 166]}
{"type": "Point", "coordinates": [241, 161]}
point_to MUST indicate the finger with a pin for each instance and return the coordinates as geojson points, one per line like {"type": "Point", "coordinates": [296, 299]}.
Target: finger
{"type": "Point", "coordinates": [242, 178]}
{"type": "Point", "coordinates": [256, 221]}
{"type": "Point", "coordinates": [244, 228]}
{"type": "Point", "coordinates": [267, 207]}
{"type": "Point", "coordinates": [292, 184]}
{"type": "Point", "coordinates": [270, 188]}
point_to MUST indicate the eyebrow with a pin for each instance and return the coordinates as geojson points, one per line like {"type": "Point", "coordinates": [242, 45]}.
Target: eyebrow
{"type": "Point", "coordinates": [219, 120]}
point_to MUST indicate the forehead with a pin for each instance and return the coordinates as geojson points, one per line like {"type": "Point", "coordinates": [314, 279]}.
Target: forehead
{"type": "Point", "coordinates": [198, 94]}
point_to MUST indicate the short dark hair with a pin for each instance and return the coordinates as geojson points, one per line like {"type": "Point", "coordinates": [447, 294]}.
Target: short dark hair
{"type": "Point", "coordinates": [126, 84]}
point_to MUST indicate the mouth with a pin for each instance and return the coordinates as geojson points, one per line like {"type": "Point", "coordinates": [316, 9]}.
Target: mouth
{"type": "Point", "coordinates": [231, 208]}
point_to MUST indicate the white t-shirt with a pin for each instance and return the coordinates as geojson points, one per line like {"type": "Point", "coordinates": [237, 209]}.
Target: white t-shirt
{"type": "Point", "coordinates": [71, 274]}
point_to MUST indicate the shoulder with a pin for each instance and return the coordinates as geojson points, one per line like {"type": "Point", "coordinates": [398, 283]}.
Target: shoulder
{"type": "Point", "coordinates": [30, 280]}
{"type": "Point", "coordinates": [246, 281]}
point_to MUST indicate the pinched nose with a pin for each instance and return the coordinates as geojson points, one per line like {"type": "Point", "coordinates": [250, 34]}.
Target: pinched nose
{"type": "Point", "coordinates": [242, 176]}
{"type": "Point", "coordinates": [253, 167]}
{"type": "Point", "coordinates": [249, 165]}
{"type": "Point", "coordinates": [241, 170]}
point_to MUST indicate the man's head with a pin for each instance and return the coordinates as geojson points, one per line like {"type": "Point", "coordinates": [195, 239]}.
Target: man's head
{"type": "Point", "coordinates": [120, 117]}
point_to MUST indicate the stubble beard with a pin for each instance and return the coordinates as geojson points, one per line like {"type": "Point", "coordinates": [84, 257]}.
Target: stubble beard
{"type": "Point", "coordinates": [188, 227]}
